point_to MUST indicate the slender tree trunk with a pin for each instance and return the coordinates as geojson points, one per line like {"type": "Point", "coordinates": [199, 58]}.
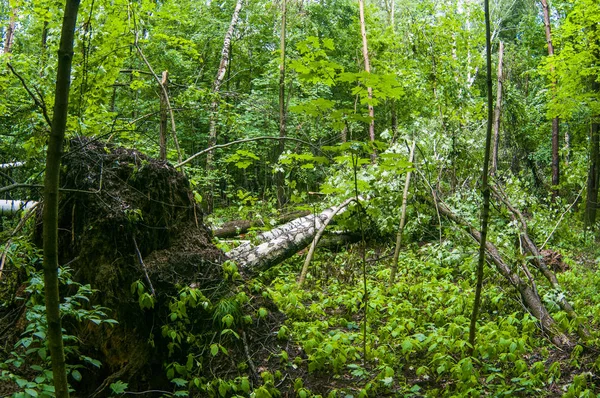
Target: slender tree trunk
{"type": "Point", "coordinates": [163, 116]}
{"type": "Point", "coordinates": [484, 181]}
{"type": "Point", "coordinates": [497, 111]}
{"type": "Point", "coordinates": [402, 218]}
{"type": "Point", "coordinates": [365, 51]}
{"type": "Point", "coordinates": [591, 202]}
{"type": "Point", "coordinates": [555, 121]}
{"type": "Point", "coordinates": [44, 48]}
{"type": "Point", "coordinates": [214, 106]}
{"type": "Point", "coordinates": [10, 31]}
{"type": "Point", "coordinates": [51, 183]}
{"type": "Point", "coordinates": [279, 179]}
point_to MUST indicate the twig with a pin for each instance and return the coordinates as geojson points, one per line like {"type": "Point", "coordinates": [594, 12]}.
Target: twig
{"type": "Point", "coordinates": [212, 148]}
{"type": "Point", "coordinates": [139, 256]}
{"type": "Point", "coordinates": [561, 218]}
{"type": "Point", "coordinates": [19, 226]}
{"type": "Point", "coordinates": [38, 101]}
{"type": "Point", "coordinates": [247, 352]}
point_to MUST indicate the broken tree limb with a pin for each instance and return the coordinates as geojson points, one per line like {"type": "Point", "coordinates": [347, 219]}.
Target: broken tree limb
{"type": "Point", "coordinates": [315, 241]}
{"type": "Point", "coordinates": [534, 255]}
{"type": "Point", "coordinates": [531, 300]}
{"type": "Point", "coordinates": [280, 243]}
{"type": "Point", "coordinates": [165, 95]}
{"type": "Point", "coordinates": [20, 225]}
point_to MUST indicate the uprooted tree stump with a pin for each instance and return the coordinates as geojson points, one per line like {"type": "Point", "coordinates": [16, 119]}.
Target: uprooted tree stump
{"type": "Point", "coordinates": [125, 218]}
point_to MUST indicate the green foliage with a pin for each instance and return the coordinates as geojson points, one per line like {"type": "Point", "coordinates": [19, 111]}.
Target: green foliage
{"type": "Point", "coordinates": [28, 365]}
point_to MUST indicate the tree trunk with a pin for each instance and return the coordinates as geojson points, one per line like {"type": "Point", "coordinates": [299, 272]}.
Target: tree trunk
{"type": "Point", "coordinates": [51, 183]}
{"type": "Point", "coordinates": [555, 121]}
{"type": "Point", "coordinates": [10, 31]}
{"type": "Point", "coordinates": [280, 243]}
{"type": "Point", "coordinates": [279, 178]}
{"type": "Point", "coordinates": [485, 207]}
{"type": "Point", "coordinates": [402, 217]}
{"type": "Point", "coordinates": [163, 116]}
{"type": "Point", "coordinates": [365, 51]}
{"type": "Point", "coordinates": [497, 111]}
{"type": "Point", "coordinates": [317, 237]}
{"type": "Point", "coordinates": [591, 202]}
{"type": "Point", "coordinates": [535, 257]}
{"type": "Point", "coordinates": [214, 106]}
{"type": "Point", "coordinates": [530, 298]}
{"type": "Point", "coordinates": [234, 228]}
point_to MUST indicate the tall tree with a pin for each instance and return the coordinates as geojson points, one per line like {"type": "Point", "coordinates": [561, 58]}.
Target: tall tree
{"type": "Point", "coordinates": [485, 207]}
{"type": "Point", "coordinates": [50, 213]}
{"type": "Point", "coordinates": [555, 120]}
{"type": "Point", "coordinates": [214, 106]}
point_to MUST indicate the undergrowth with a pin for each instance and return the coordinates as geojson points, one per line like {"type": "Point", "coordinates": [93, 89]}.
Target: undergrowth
{"type": "Point", "coordinates": [418, 328]}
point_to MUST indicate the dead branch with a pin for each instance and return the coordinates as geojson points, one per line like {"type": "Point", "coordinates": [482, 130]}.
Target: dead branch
{"type": "Point", "coordinates": [532, 301]}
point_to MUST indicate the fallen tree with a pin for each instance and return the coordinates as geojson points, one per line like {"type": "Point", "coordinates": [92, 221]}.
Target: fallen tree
{"type": "Point", "coordinates": [274, 246]}
{"type": "Point", "coordinates": [535, 258]}
{"type": "Point", "coordinates": [238, 227]}
{"type": "Point", "coordinates": [529, 294]}
{"type": "Point", "coordinates": [128, 220]}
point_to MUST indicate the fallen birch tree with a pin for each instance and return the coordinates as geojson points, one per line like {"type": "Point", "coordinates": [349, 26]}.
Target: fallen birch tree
{"type": "Point", "coordinates": [279, 244]}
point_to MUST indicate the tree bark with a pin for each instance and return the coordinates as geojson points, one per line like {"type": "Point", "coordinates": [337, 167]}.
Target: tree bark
{"type": "Point", "coordinates": [280, 243]}
{"type": "Point", "coordinates": [402, 218]}
{"type": "Point", "coordinates": [497, 111]}
{"type": "Point", "coordinates": [591, 202]}
{"type": "Point", "coordinates": [485, 208]}
{"type": "Point", "coordinates": [163, 115]}
{"type": "Point", "coordinates": [535, 257]}
{"type": "Point", "coordinates": [214, 106]}
{"type": "Point", "coordinates": [51, 184]}
{"type": "Point", "coordinates": [530, 298]}
{"type": "Point", "coordinates": [238, 227]}
{"type": "Point", "coordinates": [10, 31]}
{"type": "Point", "coordinates": [555, 120]}
{"type": "Point", "coordinates": [365, 51]}
{"type": "Point", "coordinates": [317, 237]}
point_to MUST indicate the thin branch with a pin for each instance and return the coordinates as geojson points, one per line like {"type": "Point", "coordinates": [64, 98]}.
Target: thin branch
{"type": "Point", "coordinates": [315, 241]}
{"type": "Point", "coordinates": [19, 226]}
{"type": "Point", "coordinates": [139, 256]}
{"type": "Point", "coordinates": [38, 101]}
{"type": "Point", "coordinates": [212, 148]}
{"type": "Point", "coordinates": [561, 218]}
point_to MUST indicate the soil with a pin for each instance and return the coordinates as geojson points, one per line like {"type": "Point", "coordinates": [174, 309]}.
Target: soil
{"type": "Point", "coordinates": [114, 199]}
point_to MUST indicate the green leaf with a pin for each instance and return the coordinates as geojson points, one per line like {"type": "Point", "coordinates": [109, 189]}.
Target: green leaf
{"type": "Point", "coordinates": [214, 349]}
{"type": "Point", "coordinates": [179, 382]}
{"type": "Point", "coordinates": [118, 387]}
{"type": "Point", "coordinates": [76, 375]}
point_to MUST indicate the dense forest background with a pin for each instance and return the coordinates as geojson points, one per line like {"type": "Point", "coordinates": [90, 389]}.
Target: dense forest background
{"type": "Point", "coordinates": [195, 129]}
